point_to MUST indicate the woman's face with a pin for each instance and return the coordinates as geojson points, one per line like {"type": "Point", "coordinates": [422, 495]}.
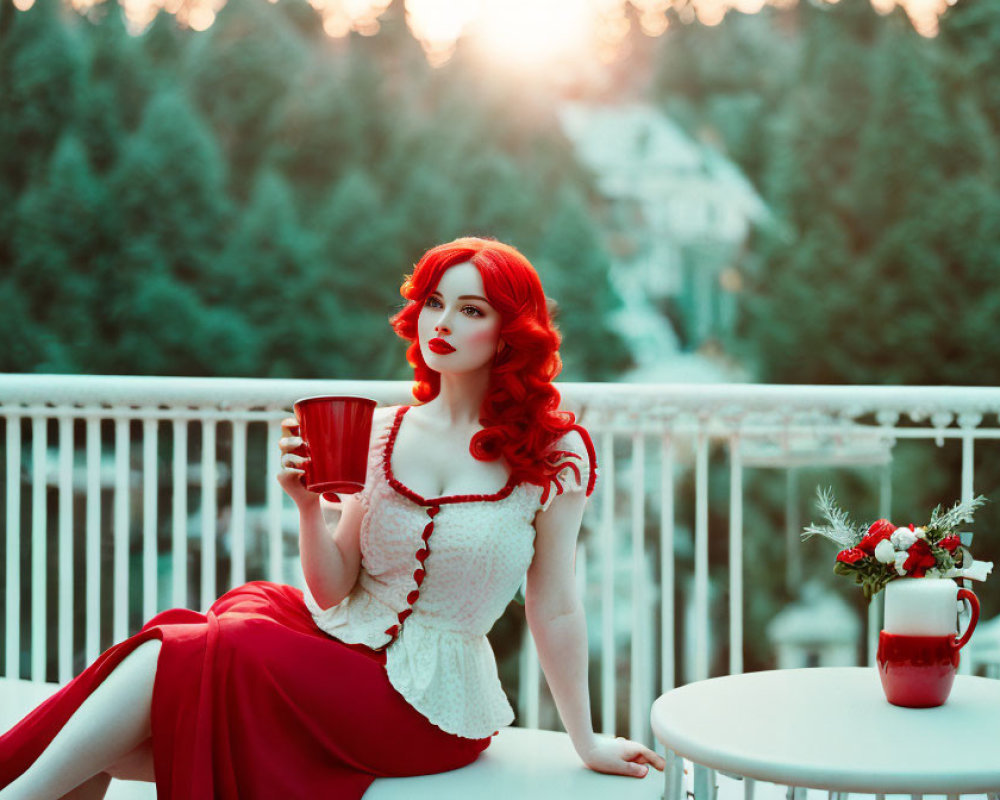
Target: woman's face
{"type": "Point", "coordinates": [457, 328]}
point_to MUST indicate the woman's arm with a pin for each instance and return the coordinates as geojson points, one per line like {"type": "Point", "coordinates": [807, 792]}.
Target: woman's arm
{"type": "Point", "coordinates": [556, 619]}
{"type": "Point", "coordinates": [331, 561]}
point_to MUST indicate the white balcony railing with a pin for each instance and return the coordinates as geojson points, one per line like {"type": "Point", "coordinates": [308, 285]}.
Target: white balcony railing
{"type": "Point", "coordinates": [92, 550]}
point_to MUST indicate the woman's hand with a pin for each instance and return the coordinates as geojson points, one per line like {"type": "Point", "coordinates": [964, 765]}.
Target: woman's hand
{"type": "Point", "coordinates": [292, 475]}
{"type": "Point", "coordinates": [621, 757]}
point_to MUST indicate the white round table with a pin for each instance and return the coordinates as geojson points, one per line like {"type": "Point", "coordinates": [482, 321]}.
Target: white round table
{"type": "Point", "coordinates": [832, 728]}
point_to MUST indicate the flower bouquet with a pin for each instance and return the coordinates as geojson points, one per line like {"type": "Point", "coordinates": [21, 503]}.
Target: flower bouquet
{"type": "Point", "coordinates": [918, 647]}
{"type": "Point", "coordinates": [881, 552]}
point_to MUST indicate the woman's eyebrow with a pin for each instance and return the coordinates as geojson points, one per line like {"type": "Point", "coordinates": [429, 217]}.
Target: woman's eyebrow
{"type": "Point", "coordinates": [465, 296]}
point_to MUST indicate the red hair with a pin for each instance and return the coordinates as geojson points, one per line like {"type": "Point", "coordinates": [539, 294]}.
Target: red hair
{"type": "Point", "coordinates": [520, 413]}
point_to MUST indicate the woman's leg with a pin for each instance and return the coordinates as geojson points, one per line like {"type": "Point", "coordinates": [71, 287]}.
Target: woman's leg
{"type": "Point", "coordinates": [111, 723]}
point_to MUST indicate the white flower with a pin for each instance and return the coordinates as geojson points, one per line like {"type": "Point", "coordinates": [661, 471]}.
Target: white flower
{"type": "Point", "coordinates": [903, 538]}
{"type": "Point", "coordinates": [885, 552]}
{"type": "Point", "coordinates": [900, 560]}
{"type": "Point", "coordinates": [920, 533]}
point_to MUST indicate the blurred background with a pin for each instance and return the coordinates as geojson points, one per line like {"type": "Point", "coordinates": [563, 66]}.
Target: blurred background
{"type": "Point", "coordinates": [712, 190]}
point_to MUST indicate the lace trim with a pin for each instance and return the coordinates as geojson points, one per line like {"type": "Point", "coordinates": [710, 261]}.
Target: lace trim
{"type": "Point", "coordinates": [432, 501]}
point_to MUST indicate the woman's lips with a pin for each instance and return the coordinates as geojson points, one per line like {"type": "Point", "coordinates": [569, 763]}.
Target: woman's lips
{"type": "Point", "coordinates": [440, 346]}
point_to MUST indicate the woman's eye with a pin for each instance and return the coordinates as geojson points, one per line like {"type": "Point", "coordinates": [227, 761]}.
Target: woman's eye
{"type": "Point", "coordinates": [472, 311]}
{"type": "Point", "coordinates": [432, 302]}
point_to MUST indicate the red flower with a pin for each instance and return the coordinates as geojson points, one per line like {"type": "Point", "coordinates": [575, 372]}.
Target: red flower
{"type": "Point", "coordinates": [851, 555]}
{"type": "Point", "coordinates": [919, 559]}
{"type": "Point", "coordinates": [880, 530]}
{"type": "Point", "coordinates": [949, 543]}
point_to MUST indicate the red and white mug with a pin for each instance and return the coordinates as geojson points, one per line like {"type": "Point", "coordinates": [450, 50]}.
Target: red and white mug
{"type": "Point", "coordinates": [918, 649]}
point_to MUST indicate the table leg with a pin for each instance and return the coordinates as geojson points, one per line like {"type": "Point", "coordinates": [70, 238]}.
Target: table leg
{"type": "Point", "coordinates": [705, 786]}
{"type": "Point", "coordinates": [673, 776]}
{"type": "Point", "coordinates": [795, 793]}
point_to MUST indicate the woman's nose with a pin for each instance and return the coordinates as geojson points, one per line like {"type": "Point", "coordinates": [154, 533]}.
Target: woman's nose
{"type": "Point", "coordinates": [442, 323]}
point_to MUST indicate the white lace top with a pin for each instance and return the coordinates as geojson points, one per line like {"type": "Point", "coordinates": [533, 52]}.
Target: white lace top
{"type": "Point", "coordinates": [436, 574]}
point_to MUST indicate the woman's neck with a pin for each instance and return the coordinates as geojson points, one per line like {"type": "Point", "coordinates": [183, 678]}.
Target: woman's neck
{"type": "Point", "coordinates": [460, 398]}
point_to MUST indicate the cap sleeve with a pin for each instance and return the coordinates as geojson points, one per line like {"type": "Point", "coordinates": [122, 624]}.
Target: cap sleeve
{"type": "Point", "coordinates": [574, 457]}
{"type": "Point", "coordinates": [381, 423]}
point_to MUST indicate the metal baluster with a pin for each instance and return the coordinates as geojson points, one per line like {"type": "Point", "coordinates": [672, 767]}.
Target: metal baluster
{"type": "Point", "coordinates": [608, 704]}
{"type": "Point", "coordinates": [793, 529]}
{"type": "Point", "coordinates": [122, 488]}
{"type": "Point", "coordinates": [179, 538]}
{"type": "Point", "coordinates": [150, 487]}
{"type": "Point", "coordinates": [208, 513]}
{"type": "Point", "coordinates": [92, 639]}
{"type": "Point", "coordinates": [39, 546]}
{"type": "Point", "coordinates": [967, 422]}
{"type": "Point", "coordinates": [274, 502]}
{"type": "Point", "coordinates": [701, 557]}
{"type": "Point", "coordinates": [735, 556]}
{"type": "Point", "coordinates": [12, 607]}
{"type": "Point", "coordinates": [639, 708]}
{"type": "Point", "coordinates": [65, 669]}
{"type": "Point", "coordinates": [667, 660]}
{"type": "Point", "coordinates": [238, 516]}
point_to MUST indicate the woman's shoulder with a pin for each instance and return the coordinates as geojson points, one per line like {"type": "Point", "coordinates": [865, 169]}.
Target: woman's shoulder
{"type": "Point", "coordinates": [573, 457]}
{"type": "Point", "coordinates": [574, 442]}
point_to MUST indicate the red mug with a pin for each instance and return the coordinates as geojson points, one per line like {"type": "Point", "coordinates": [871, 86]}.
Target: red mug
{"type": "Point", "coordinates": [336, 430]}
{"type": "Point", "coordinates": [918, 671]}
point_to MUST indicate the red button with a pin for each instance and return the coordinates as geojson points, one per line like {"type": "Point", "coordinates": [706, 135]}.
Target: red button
{"type": "Point", "coordinates": [432, 511]}
{"type": "Point", "coordinates": [393, 630]}
{"type": "Point", "coordinates": [427, 531]}
{"type": "Point", "coordinates": [418, 576]}
{"type": "Point", "coordinates": [404, 614]}
{"type": "Point", "coordinates": [411, 598]}
{"type": "Point", "coordinates": [422, 554]}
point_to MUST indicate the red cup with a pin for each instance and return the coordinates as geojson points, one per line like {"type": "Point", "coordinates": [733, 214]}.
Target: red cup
{"type": "Point", "coordinates": [918, 671]}
{"type": "Point", "coordinates": [336, 430]}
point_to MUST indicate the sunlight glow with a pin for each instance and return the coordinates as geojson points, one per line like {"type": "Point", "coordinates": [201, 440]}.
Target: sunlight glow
{"type": "Point", "coordinates": [528, 32]}
{"type": "Point", "coordinates": [516, 33]}
{"type": "Point", "coordinates": [340, 17]}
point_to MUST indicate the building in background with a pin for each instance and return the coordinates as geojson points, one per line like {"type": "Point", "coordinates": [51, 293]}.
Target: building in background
{"type": "Point", "coordinates": [676, 218]}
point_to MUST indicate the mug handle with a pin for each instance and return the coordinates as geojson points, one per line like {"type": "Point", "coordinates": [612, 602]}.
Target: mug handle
{"type": "Point", "coordinates": [973, 601]}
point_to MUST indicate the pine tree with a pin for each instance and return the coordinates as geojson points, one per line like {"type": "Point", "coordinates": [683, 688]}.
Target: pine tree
{"type": "Point", "coordinates": [41, 73]}
{"type": "Point", "coordinates": [237, 74]}
{"type": "Point", "coordinates": [168, 188]}
{"type": "Point", "coordinates": [59, 237]}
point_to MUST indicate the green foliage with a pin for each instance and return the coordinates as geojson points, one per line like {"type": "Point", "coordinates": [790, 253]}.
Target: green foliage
{"type": "Point", "coordinates": [879, 159]}
{"type": "Point", "coordinates": [248, 200]}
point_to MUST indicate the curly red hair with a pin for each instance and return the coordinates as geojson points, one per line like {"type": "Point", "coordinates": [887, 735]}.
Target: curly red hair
{"type": "Point", "coordinates": [520, 413]}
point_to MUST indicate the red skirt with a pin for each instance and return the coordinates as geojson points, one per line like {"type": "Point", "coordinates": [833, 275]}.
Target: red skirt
{"type": "Point", "coordinates": [252, 700]}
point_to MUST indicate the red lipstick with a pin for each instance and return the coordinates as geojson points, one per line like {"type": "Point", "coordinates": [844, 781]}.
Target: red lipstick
{"type": "Point", "coordinates": [440, 346]}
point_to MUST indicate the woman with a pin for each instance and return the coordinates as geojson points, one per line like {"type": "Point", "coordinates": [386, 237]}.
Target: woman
{"type": "Point", "coordinates": [383, 667]}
